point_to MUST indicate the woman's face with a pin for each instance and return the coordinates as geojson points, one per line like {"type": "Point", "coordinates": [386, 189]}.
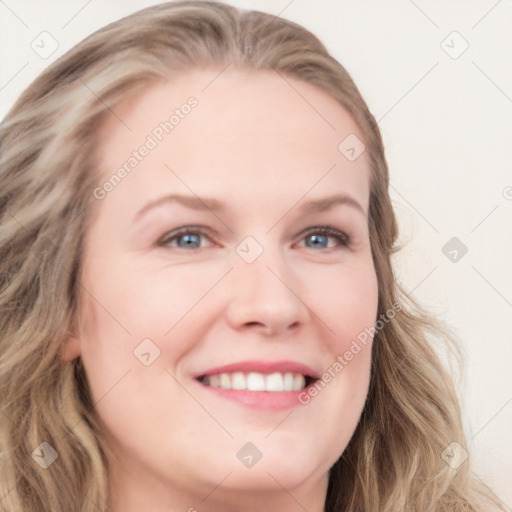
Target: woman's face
{"type": "Point", "coordinates": [233, 251]}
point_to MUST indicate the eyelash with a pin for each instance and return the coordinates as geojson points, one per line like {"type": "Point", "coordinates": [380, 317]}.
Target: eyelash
{"type": "Point", "coordinates": [186, 230]}
{"type": "Point", "coordinates": [342, 238]}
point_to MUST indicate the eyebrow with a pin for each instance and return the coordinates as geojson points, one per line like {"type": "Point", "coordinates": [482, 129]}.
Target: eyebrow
{"type": "Point", "coordinates": [214, 205]}
{"type": "Point", "coordinates": [320, 205]}
{"type": "Point", "coordinates": [193, 202]}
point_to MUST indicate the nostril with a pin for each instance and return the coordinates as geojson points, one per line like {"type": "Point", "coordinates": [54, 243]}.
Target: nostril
{"type": "Point", "coordinates": [294, 325]}
{"type": "Point", "coordinates": [253, 324]}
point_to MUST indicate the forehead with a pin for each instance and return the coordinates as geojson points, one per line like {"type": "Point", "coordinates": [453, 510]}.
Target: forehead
{"type": "Point", "coordinates": [251, 129]}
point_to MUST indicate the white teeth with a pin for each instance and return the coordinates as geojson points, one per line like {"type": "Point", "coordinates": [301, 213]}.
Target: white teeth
{"type": "Point", "coordinates": [288, 382]}
{"type": "Point", "coordinates": [238, 381]}
{"type": "Point", "coordinates": [299, 382]}
{"type": "Point", "coordinates": [254, 381]}
{"type": "Point", "coordinates": [225, 381]}
{"type": "Point", "coordinates": [274, 382]}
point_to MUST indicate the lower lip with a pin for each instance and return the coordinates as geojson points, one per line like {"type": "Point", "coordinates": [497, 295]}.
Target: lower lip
{"type": "Point", "coordinates": [259, 399]}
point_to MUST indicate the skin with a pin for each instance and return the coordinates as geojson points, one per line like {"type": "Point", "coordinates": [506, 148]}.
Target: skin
{"type": "Point", "coordinates": [262, 146]}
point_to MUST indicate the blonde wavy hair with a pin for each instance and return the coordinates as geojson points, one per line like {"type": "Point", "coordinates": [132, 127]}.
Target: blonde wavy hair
{"type": "Point", "coordinates": [48, 172]}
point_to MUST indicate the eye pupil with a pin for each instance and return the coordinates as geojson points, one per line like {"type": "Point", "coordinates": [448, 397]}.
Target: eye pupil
{"type": "Point", "coordinates": [189, 240]}
{"type": "Point", "coordinates": [316, 241]}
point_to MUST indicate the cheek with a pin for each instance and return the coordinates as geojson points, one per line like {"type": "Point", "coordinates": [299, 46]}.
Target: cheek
{"type": "Point", "coordinates": [346, 299]}
{"type": "Point", "coordinates": [128, 305]}
{"type": "Point", "coordinates": [146, 301]}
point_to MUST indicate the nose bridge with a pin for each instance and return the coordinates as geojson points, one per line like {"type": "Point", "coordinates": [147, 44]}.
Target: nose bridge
{"type": "Point", "coordinates": [265, 293]}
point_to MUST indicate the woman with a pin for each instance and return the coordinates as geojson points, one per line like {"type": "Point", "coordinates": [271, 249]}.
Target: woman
{"type": "Point", "coordinates": [198, 306]}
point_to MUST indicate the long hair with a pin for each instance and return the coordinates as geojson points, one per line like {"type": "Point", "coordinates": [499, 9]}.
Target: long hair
{"type": "Point", "coordinates": [394, 460]}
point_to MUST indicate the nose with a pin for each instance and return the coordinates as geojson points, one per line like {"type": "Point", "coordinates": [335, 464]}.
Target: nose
{"type": "Point", "coordinates": [266, 298]}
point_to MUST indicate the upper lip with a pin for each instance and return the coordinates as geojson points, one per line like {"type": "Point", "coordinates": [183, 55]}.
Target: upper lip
{"type": "Point", "coordinates": [264, 367]}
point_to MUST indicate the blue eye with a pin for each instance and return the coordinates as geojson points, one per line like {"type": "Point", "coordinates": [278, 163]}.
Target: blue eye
{"type": "Point", "coordinates": [189, 240]}
{"type": "Point", "coordinates": [193, 237]}
{"type": "Point", "coordinates": [325, 238]}
{"type": "Point", "coordinates": [317, 241]}
{"type": "Point", "coordinates": [185, 238]}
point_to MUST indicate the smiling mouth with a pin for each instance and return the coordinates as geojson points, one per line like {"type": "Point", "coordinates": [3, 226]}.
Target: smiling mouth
{"type": "Point", "coordinates": [254, 381]}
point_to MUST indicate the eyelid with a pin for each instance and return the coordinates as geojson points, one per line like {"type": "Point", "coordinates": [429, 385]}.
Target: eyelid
{"type": "Point", "coordinates": [341, 236]}
{"type": "Point", "coordinates": [184, 230]}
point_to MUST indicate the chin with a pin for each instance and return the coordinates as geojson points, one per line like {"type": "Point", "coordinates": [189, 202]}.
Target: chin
{"type": "Point", "coordinates": [271, 477]}
{"type": "Point", "coordinates": [289, 468]}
